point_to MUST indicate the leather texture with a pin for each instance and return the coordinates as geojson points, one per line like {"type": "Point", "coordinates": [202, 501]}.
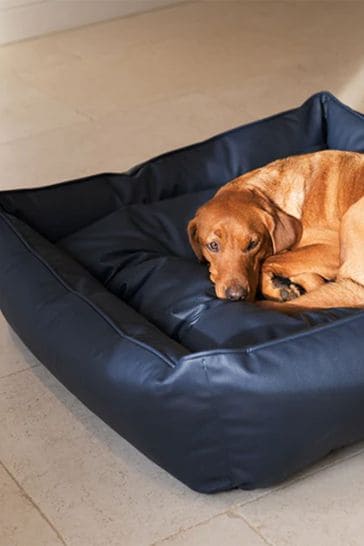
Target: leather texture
{"type": "Point", "coordinates": [98, 279]}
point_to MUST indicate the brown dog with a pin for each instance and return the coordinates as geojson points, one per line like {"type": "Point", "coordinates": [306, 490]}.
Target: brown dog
{"type": "Point", "coordinates": [288, 228]}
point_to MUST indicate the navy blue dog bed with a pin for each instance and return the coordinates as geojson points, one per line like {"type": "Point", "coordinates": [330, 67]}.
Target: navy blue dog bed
{"type": "Point", "coordinates": [99, 281]}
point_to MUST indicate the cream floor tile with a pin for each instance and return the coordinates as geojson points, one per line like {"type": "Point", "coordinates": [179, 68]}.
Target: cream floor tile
{"type": "Point", "coordinates": [115, 142]}
{"type": "Point", "coordinates": [275, 94]}
{"type": "Point", "coordinates": [189, 22]}
{"type": "Point", "coordinates": [14, 356]}
{"type": "Point", "coordinates": [326, 509]}
{"type": "Point", "coordinates": [94, 487]}
{"type": "Point", "coordinates": [227, 529]}
{"type": "Point", "coordinates": [352, 91]}
{"type": "Point", "coordinates": [100, 40]}
{"type": "Point", "coordinates": [287, 89]}
{"type": "Point", "coordinates": [171, 66]}
{"type": "Point", "coordinates": [165, 125]}
{"type": "Point", "coordinates": [183, 22]}
{"type": "Point", "coordinates": [317, 49]}
{"type": "Point", "coordinates": [25, 112]}
{"type": "Point", "coordinates": [37, 53]}
{"type": "Point", "coordinates": [143, 74]}
{"type": "Point", "coordinates": [226, 47]}
{"type": "Point", "coordinates": [8, 4]}
{"type": "Point", "coordinates": [49, 157]}
{"type": "Point", "coordinates": [21, 524]}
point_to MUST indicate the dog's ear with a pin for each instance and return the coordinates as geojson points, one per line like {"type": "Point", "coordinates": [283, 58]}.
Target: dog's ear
{"type": "Point", "coordinates": [285, 232]}
{"type": "Point", "coordinates": [192, 231]}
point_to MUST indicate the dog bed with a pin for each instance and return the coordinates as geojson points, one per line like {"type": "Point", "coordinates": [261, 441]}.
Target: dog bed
{"type": "Point", "coordinates": [99, 281]}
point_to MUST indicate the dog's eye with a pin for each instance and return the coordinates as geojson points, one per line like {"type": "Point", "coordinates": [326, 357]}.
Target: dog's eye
{"type": "Point", "coordinates": [252, 244]}
{"type": "Point", "coordinates": [213, 246]}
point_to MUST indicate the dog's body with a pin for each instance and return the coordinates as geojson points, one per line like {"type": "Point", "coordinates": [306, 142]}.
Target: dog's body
{"type": "Point", "coordinates": [288, 228]}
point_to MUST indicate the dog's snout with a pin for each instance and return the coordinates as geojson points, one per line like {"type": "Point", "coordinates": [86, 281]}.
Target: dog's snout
{"type": "Point", "coordinates": [236, 292]}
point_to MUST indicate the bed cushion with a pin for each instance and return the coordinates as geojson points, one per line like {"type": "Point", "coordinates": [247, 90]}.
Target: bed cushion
{"type": "Point", "coordinates": [98, 279]}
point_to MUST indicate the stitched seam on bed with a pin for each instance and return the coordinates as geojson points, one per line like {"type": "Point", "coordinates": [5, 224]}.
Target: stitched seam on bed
{"type": "Point", "coordinates": [329, 97]}
{"type": "Point", "coordinates": [214, 407]}
{"type": "Point", "coordinates": [325, 97]}
{"type": "Point", "coordinates": [274, 342]}
{"type": "Point", "coordinates": [171, 363]}
{"type": "Point", "coordinates": [98, 311]}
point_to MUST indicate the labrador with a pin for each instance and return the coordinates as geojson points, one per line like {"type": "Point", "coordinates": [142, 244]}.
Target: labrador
{"type": "Point", "coordinates": [292, 230]}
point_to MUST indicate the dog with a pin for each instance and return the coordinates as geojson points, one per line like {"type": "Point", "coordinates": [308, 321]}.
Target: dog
{"type": "Point", "coordinates": [292, 230]}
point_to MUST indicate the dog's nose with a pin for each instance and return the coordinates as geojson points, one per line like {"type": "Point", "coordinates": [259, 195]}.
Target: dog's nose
{"type": "Point", "coordinates": [236, 292]}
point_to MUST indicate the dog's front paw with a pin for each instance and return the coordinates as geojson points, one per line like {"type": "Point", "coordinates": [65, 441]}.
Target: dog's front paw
{"type": "Point", "coordinates": [277, 287]}
{"type": "Point", "coordinates": [287, 289]}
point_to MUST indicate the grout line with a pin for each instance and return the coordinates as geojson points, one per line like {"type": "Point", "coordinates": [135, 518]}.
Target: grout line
{"type": "Point", "coordinates": [233, 513]}
{"type": "Point", "coordinates": [251, 527]}
{"type": "Point", "coordinates": [184, 529]}
{"type": "Point", "coordinates": [19, 371]}
{"type": "Point", "coordinates": [265, 493]}
{"type": "Point", "coordinates": [235, 506]}
{"type": "Point", "coordinates": [29, 499]}
{"type": "Point", "coordinates": [227, 512]}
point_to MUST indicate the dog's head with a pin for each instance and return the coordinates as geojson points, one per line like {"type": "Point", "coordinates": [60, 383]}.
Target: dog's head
{"type": "Point", "coordinates": [234, 232]}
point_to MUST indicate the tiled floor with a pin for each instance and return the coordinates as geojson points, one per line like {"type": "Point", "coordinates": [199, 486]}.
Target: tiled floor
{"type": "Point", "coordinates": [106, 97]}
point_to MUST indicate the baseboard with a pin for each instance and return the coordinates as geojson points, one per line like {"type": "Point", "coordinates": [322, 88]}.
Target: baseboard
{"type": "Point", "coordinates": [21, 19]}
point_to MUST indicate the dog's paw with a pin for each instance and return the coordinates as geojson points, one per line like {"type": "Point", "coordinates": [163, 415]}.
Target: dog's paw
{"type": "Point", "coordinates": [287, 290]}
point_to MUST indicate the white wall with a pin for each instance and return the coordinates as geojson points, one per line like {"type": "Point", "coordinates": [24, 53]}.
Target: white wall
{"type": "Point", "coordinates": [21, 19]}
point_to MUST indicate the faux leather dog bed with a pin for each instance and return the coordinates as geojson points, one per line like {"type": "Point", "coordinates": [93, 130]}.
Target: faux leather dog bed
{"type": "Point", "coordinates": [99, 281]}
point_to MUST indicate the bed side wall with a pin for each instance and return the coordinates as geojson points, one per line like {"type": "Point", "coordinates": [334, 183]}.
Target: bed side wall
{"type": "Point", "coordinates": [133, 384]}
{"type": "Point", "coordinates": [288, 403]}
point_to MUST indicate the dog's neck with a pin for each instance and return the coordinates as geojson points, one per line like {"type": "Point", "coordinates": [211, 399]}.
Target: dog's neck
{"type": "Point", "coordinates": [285, 189]}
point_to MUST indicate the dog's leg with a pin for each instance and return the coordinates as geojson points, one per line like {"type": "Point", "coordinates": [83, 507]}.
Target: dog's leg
{"type": "Point", "coordinates": [341, 293]}
{"type": "Point", "coordinates": [348, 289]}
{"type": "Point", "coordinates": [288, 275]}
